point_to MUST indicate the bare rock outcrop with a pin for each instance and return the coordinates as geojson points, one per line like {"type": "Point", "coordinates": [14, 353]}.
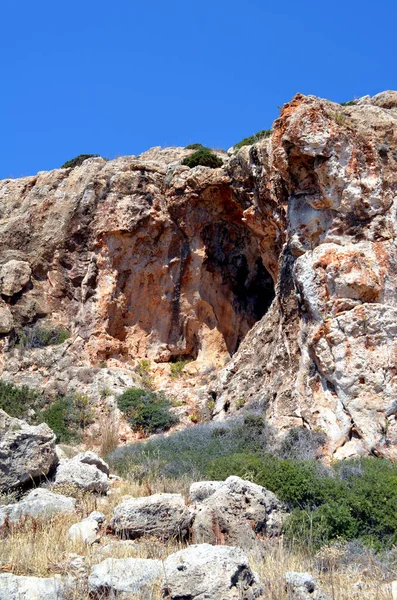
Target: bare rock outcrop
{"type": "Point", "coordinates": [283, 258]}
{"type": "Point", "coordinates": [27, 452]}
{"type": "Point", "coordinates": [237, 513]}
{"type": "Point", "coordinates": [218, 572]}
{"type": "Point", "coordinates": [40, 503]}
{"type": "Point", "coordinates": [162, 515]}
{"type": "Point", "coordinates": [85, 470]}
{"type": "Point", "coordinates": [125, 578]}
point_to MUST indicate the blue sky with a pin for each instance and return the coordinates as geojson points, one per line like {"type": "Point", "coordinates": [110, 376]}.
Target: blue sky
{"type": "Point", "coordinates": [118, 77]}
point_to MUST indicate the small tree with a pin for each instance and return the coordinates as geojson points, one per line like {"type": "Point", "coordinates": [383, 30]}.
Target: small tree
{"type": "Point", "coordinates": [146, 411]}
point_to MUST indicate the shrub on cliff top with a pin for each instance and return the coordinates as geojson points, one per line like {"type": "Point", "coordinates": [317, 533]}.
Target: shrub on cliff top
{"type": "Point", "coordinates": [248, 141]}
{"type": "Point", "coordinates": [204, 157]}
{"type": "Point", "coordinates": [77, 161]}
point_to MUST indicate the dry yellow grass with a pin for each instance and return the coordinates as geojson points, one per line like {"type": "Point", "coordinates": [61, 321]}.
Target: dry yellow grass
{"type": "Point", "coordinates": [42, 548]}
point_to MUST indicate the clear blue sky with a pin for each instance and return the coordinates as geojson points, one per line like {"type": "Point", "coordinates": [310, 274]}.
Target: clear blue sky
{"type": "Point", "coordinates": [117, 77]}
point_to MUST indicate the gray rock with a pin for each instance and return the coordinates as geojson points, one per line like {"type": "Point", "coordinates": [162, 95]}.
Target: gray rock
{"type": "Point", "coordinates": [14, 275]}
{"type": "Point", "coordinates": [16, 587]}
{"type": "Point", "coordinates": [236, 514]}
{"type": "Point", "coordinates": [160, 515]}
{"type": "Point", "coordinates": [303, 586]}
{"type": "Point", "coordinates": [97, 516]}
{"type": "Point", "coordinates": [90, 458]}
{"type": "Point", "coordinates": [85, 476]}
{"type": "Point", "coordinates": [26, 451]}
{"type": "Point", "coordinates": [210, 572]}
{"type": "Point", "coordinates": [6, 319]}
{"type": "Point", "coordinates": [123, 577]}
{"type": "Point", "coordinates": [201, 490]}
{"type": "Point", "coordinates": [85, 531]}
{"type": "Point", "coordinates": [38, 503]}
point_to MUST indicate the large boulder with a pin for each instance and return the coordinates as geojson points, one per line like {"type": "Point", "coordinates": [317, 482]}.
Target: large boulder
{"type": "Point", "coordinates": [161, 515]}
{"type": "Point", "coordinates": [237, 513]}
{"type": "Point", "coordinates": [125, 578]}
{"type": "Point", "coordinates": [201, 490]}
{"type": "Point", "coordinates": [16, 587]}
{"type": "Point", "coordinates": [86, 475]}
{"type": "Point", "coordinates": [27, 452]}
{"type": "Point", "coordinates": [90, 458]}
{"type": "Point", "coordinates": [38, 503]}
{"type": "Point", "coordinates": [14, 275]}
{"type": "Point", "coordinates": [210, 572]}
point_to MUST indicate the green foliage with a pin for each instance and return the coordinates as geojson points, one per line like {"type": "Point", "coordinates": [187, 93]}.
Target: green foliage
{"type": "Point", "coordinates": [146, 411]}
{"type": "Point", "coordinates": [177, 367]}
{"type": "Point", "coordinates": [68, 416]}
{"type": "Point", "coordinates": [56, 417]}
{"type": "Point", "coordinates": [302, 443]}
{"type": "Point", "coordinates": [350, 103]}
{"type": "Point", "coordinates": [353, 499]}
{"type": "Point", "coordinates": [41, 336]}
{"type": "Point", "coordinates": [17, 401]}
{"type": "Point", "coordinates": [191, 451]}
{"type": "Point", "coordinates": [194, 147]}
{"type": "Point", "coordinates": [203, 156]}
{"type": "Point", "coordinates": [143, 370]}
{"type": "Point", "coordinates": [248, 141]}
{"type": "Point", "coordinates": [77, 161]}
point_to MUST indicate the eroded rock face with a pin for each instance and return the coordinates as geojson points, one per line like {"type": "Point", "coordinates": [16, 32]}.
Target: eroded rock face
{"type": "Point", "coordinates": [162, 515]}
{"type": "Point", "coordinates": [40, 503]}
{"type": "Point", "coordinates": [218, 572]}
{"type": "Point", "coordinates": [27, 452]}
{"type": "Point", "coordinates": [142, 257]}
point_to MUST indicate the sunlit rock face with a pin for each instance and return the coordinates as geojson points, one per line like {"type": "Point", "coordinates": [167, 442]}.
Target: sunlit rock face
{"type": "Point", "coordinates": [284, 259]}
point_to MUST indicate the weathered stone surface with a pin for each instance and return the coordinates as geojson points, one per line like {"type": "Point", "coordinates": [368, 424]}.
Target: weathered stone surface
{"type": "Point", "coordinates": [161, 515]}
{"type": "Point", "coordinates": [27, 452]}
{"type": "Point", "coordinates": [6, 319]}
{"type": "Point", "coordinates": [16, 587]}
{"type": "Point", "coordinates": [303, 586]}
{"type": "Point", "coordinates": [38, 503]}
{"type": "Point", "coordinates": [123, 577]}
{"type": "Point", "coordinates": [90, 458]}
{"type": "Point", "coordinates": [237, 514]}
{"type": "Point", "coordinates": [86, 476]}
{"type": "Point", "coordinates": [200, 490]}
{"type": "Point", "coordinates": [142, 257]}
{"type": "Point", "coordinates": [14, 275]}
{"type": "Point", "coordinates": [212, 572]}
{"type": "Point", "coordinates": [85, 531]}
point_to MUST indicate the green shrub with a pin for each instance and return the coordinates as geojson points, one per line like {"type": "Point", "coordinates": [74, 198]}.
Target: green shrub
{"type": "Point", "coordinates": [41, 336]}
{"type": "Point", "coordinates": [191, 451]}
{"type": "Point", "coordinates": [18, 401]}
{"type": "Point", "coordinates": [302, 444]}
{"type": "Point", "coordinates": [203, 156]}
{"type": "Point", "coordinates": [77, 161]}
{"type": "Point", "coordinates": [68, 416]}
{"type": "Point", "coordinates": [350, 103]}
{"type": "Point", "coordinates": [56, 417]}
{"type": "Point", "coordinates": [146, 411]}
{"type": "Point", "coordinates": [248, 141]}
{"type": "Point", "coordinates": [194, 147]}
{"type": "Point", "coordinates": [177, 367]}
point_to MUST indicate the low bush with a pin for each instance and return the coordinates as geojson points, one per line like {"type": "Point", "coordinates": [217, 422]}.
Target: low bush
{"type": "Point", "coordinates": [77, 161]}
{"type": "Point", "coordinates": [68, 416]}
{"type": "Point", "coordinates": [353, 499]}
{"type": "Point", "coordinates": [40, 336]}
{"type": "Point", "coordinates": [248, 141]}
{"type": "Point", "coordinates": [302, 444]}
{"type": "Point", "coordinates": [18, 402]}
{"type": "Point", "coordinates": [191, 451]}
{"type": "Point", "coordinates": [194, 147]}
{"type": "Point", "coordinates": [204, 157]}
{"type": "Point", "coordinates": [146, 411]}
{"type": "Point", "coordinates": [176, 368]}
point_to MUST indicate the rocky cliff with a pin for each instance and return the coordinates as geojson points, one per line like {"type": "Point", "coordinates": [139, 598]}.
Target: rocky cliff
{"type": "Point", "coordinates": [283, 259]}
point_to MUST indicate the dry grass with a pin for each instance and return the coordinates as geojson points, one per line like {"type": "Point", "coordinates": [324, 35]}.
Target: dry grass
{"type": "Point", "coordinates": [42, 548]}
{"type": "Point", "coordinates": [109, 428]}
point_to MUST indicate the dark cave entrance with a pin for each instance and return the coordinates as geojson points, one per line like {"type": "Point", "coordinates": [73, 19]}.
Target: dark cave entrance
{"type": "Point", "coordinates": [236, 283]}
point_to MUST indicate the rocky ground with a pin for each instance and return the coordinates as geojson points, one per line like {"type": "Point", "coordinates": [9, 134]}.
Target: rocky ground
{"type": "Point", "coordinates": [85, 533]}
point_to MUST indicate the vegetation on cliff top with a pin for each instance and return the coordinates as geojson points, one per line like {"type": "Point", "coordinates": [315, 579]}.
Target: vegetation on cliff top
{"type": "Point", "coordinates": [248, 141]}
{"type": "Point", "coordinates": [204, 157]}
{"type": "Point", "coordinates": [77, 161]}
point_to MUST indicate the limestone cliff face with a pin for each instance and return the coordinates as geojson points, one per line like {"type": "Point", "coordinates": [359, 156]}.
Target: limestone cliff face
{"type": "Point", "coordinates": [283, 258]}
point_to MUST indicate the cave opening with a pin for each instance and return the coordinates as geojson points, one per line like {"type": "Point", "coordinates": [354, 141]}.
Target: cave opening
{"type": "Point", "coordinates": [236, 282]}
